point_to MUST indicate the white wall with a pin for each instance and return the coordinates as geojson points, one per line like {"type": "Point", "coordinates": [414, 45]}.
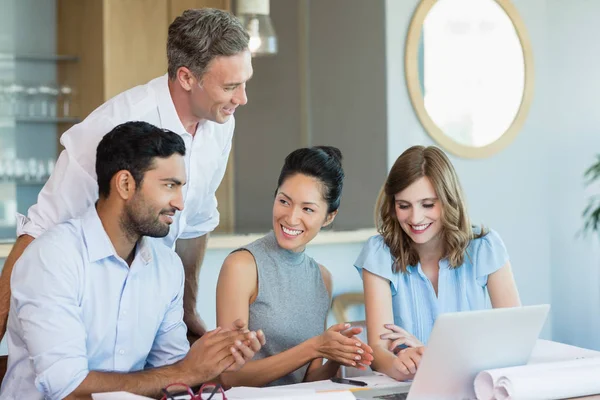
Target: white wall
{"type": "Point", "coordinates": [573, 124]}
{"type": "Point", "coordinates": [531, 192]}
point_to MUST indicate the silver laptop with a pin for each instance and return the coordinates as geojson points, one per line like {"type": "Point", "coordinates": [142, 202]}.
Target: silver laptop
{"type": "Point", "coordinates": [465, 343]}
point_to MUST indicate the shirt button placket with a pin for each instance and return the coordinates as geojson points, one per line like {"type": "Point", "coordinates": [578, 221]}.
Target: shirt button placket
{"type": "Point", "coordinates": [123, 328]}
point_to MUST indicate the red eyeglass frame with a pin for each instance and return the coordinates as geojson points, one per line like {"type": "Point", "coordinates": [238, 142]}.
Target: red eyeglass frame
{"type": "Point", "coordinates": [197, 396]}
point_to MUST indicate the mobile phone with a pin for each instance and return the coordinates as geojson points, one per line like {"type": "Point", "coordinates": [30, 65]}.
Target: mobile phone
{"type": "Point", "coordinates": [348, 381]}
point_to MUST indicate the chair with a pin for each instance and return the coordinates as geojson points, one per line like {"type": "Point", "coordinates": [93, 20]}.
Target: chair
{"type": "Point", "coordinates": [342, 302]}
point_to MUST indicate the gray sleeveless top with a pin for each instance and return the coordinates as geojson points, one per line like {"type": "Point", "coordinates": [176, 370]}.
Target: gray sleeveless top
{"type": "Point", "coordinates": [292, 302]}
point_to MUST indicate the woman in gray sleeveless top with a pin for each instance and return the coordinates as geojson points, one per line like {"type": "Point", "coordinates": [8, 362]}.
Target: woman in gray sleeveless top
{"type": "Point", "coordinates": [277, 288]}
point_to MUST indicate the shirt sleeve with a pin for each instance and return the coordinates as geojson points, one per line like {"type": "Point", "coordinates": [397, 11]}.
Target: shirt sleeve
{"type": "Point", "coordinates": [171, 343]}
{"type": "Point", "coordinates": [73, 186]}
{"type": "Point", "coordinates": [490, 257]}
{"type": "Point", "coordinates": [45, 286]}
{"type": "Point", "coordinates": [376, 258]}
{"type": "Point", "coordinates": [208, 219]}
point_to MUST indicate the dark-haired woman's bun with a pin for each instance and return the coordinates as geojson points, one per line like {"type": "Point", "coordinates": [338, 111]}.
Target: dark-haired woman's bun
{"type": "Point", "coordinates": [332, 152]}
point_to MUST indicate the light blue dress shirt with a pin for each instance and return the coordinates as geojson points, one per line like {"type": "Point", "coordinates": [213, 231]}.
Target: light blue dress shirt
{"type": "Point", "coordinates": [415, 304]}
{"type": "Point", "coordinates": [76, 307]}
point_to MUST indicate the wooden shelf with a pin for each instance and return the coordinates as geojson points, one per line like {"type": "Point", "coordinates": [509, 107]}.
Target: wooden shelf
{"type": "Point", "coordinates": [48, 120]}
{"type": "Point", "coordinates": [39, 57]}
{"type": "Point", "coordinates": [24, 182]}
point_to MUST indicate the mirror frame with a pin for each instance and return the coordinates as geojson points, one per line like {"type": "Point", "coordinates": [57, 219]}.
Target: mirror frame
{"type": "Point", "coordinates": [411, 69]}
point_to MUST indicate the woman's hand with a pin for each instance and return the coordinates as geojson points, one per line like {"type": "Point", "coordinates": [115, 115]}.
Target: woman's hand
{"type": "Point", "coordinates": [399, 337]}
{"type": "Point", "coordinates": [252, 343]}
{"type": "Point", "coordinates": [407, 361]}
{"type": "Point", "coordinates": [339, 344]}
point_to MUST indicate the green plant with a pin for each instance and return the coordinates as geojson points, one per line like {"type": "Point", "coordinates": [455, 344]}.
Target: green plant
{"type": "Point", "coordinates": [591, 214]}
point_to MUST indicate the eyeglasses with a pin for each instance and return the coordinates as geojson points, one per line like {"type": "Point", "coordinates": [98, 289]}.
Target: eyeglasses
{"type": "Point", "coordinates": [208, 391]}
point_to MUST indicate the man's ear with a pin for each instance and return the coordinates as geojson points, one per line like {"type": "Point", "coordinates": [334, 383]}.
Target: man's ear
{"type": "Point", "coordinates": [330, 218]}
{"type": "Point", "coordinates": [186, 78]}
{"type": "Point", "coordinates": [124, 184]}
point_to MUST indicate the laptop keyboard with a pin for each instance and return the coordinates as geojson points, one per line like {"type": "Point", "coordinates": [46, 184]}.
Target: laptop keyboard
{"type": "Point", "coordinates": [395, 396]}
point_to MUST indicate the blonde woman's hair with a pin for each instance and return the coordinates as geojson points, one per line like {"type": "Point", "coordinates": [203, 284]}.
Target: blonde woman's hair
{"type": "Point", "coordinates": [413, 164]}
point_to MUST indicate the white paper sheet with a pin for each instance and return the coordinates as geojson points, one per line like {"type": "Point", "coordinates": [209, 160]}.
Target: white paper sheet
{"type": "Point", "coordinates": [380, 380]}
{"type": "Point", "coordinates": [377, 380]}
{"type": "Point", "coordinates": [250, 393]}
{"type": "Point", "coordinates": [118, 396]}
{"type": "Point", "coordinates": [553, 380]}
{"type": "Point", "coordinates": [547, 351]}
{"type": "Point", "coordinates": [243, 392]}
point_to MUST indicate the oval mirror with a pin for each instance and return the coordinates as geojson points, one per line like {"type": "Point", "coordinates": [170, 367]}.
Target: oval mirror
{"type": "Point", "coordinates": [469, 73]}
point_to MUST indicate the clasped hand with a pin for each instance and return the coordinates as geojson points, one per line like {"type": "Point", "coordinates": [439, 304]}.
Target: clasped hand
{"type": "Point", "coordinates": [407, 359]}
{"type": "Point", "coordinates": [340, 344]}
{"type": "Point", "coordinates": [223, 350]}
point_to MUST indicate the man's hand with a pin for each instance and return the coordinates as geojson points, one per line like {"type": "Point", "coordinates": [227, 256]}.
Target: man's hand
{"type": "Point", "coordinates": [213, 353]}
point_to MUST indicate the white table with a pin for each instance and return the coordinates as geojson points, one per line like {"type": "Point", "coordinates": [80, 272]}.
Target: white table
{"type": "Point", "coordinates": [544, 351]}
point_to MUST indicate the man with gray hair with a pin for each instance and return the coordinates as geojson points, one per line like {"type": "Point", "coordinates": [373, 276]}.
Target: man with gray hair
{"type": "Point", "coordinates": [208, 66]}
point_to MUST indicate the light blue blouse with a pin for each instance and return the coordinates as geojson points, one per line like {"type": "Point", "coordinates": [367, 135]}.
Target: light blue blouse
{"type": "Point", "coordinates": [414, 301]}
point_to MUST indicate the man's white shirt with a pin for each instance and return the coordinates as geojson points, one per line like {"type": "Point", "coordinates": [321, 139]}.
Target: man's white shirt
{"type": "Point", "coordinates": [73, 187]}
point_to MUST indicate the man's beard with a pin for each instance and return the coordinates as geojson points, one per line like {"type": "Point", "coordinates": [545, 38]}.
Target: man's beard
{"type": "Point", "coordinates": [135, 223]}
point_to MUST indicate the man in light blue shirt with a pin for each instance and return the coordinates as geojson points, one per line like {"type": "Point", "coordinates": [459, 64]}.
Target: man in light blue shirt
{"type": "Point", "coordinates": [97, 302]}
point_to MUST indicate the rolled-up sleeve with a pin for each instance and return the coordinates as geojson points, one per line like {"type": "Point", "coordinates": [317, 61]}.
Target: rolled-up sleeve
{"type": "Point", "coordinates": [171, 343]}
{"type": "Point", "coordinates": [45, 290]}
{"type": "Point", "coordinates": [72, 186]}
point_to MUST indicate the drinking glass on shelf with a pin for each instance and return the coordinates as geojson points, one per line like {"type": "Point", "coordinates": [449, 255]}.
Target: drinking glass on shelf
{"type": "Point", "coordinates": [48, 99]}
{"type": "Point", "coordinates": [31, 100]}
{"type": "Point", "coordinates": [66, 101]}
{"type": "Point", "coordinates": [2, 170]}
{"type": "Point", "coordinates": [9, 169]}
{"type": "Point", "coordinates": [5, 99]}
{"type": "Point", "coordinates": [15, 93]}
{"type": "Point", "coordinates": [31, 170]}
{"type": "Point", "coordinates": [20, 169]}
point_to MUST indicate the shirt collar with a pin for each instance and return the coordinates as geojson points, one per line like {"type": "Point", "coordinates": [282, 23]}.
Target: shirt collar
{"type": "Point", "coordinates": [166, 108]}
{"type": "Point", "coordinates": [98, 243]}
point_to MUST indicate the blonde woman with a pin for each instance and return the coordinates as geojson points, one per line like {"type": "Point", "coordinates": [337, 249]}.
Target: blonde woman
{"type": "Point", "coordinates": [427, 260]}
